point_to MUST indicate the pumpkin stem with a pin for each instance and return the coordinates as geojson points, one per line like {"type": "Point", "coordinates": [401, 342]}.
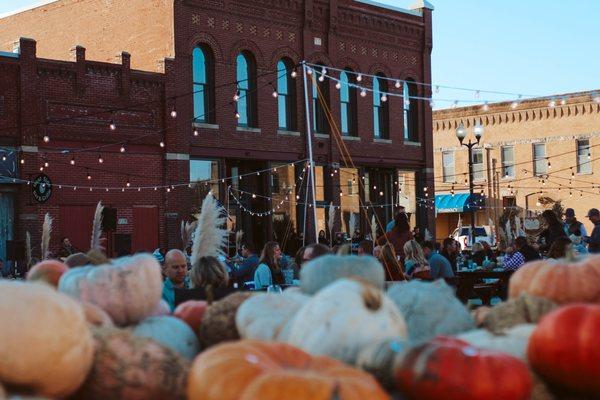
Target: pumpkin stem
{"type": "Point", "coordinates": [372, 298]}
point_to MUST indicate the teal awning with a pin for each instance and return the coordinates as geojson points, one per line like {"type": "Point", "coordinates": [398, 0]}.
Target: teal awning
{"type": "Point", "coordinates": [457, 203]}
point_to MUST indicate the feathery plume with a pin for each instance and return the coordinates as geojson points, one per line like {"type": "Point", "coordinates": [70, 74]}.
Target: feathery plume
{"type": "Point", "coordinates": [28, 249]}
{"type": "Point", "coordinates": [373, 228]}
{"type": "Point", "coordinates": [427, 235]}
{"type": "Point", "coordinates": [46, 231]}
{"type": "Point", "coordinates": [352, 224]}
{"type": "Point", "coordinates": [508, 233]}
{"type": "Point", "coordinates": [210, 238]}
{"type": "Point", "coordinates": [239, 235]}
{"type": "Point", "coordinates": [97, 229]}
{"type": "Point", "coordinates": [331, 221]}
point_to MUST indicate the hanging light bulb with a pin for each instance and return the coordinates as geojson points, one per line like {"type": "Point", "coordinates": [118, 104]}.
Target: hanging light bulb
{"type": "Point", "coordinates": [359, 78]}
{"type": "Point", "coordinates": [338, 85]}
{"type": "Point", "coordinates": [308, 70]}
{"type": "Point", "coordinates": [112, 126]}
{"type": "Point", "coordinates": [253, 195]}
{"type": "Point", "coordinates": [274, 94]}
{"type": "Point", "coordinates": [22, 160]}
{"type": "Point", "coordinates": [122, 149]}
{"type": "Point", "coordinates": [407, 102]}
{"type": "Point", "coordinates": [42, 168]}
{"type": "Point", "coordinates": [161, 144]}
{"type": "Point", "coordinates": [397, 84]}
{"type": "Point", "coordinates": [72, 160]}
{"type": "Point", "coordinates": [195, 132]}
{"type": "Point", "coordinates": [552, 103]}
{"type": "Point", "coordinates": [89, 177]}
{"type": "Point", "coordinates": [46, 138]}
{"type": "Point", "coordinates": [3, 157]}
{"type": "Point", "coordinates": [294, 74]}
{"type": "Point", "coordinates": [514, 105]}
{"type": "Point", "coordinates": [321, 78]}
{"type": "Point", "coordinates": [549, 165]}
{"type": "Point", "coordinates": [46, 164]}
{"type": "Point", "coordinates": [363, 93]}
{"type": "Point", "coordinates": [100, 159]}
{"type": "Point", "coordinates": [236, 96]}
{"type": "Point", "coordinates": [384, 98]}
{"type": "Point", "coordinates": [237, 115]}
{"type": "Point", "coordinates": [563, 101]}
{"type": "Point", "coordinates": [485, 106]}
{"type": "Point", "coordinates": [173, 113]}
{"type": "Point", "coordinates": [128, 184]}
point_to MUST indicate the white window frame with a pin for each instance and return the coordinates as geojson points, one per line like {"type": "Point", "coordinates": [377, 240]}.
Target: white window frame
{"type": "Point", "coordinates": [542, 168]}
{"type": "Point", "coordinates": [584, 165]}
{"type": "Point", "coordinates": [478, 173]}
{"type": "Point", "coordinates": [449, 172]}
{"type": "Point", "coordinates": [508, 165]}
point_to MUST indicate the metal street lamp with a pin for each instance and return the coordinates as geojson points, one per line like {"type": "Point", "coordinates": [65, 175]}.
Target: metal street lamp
{"type": "Point", "coordinates": [461, 134]}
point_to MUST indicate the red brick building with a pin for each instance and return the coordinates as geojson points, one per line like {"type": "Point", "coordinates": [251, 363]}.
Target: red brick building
{"type": "Point", "coordinates": [242, 47]}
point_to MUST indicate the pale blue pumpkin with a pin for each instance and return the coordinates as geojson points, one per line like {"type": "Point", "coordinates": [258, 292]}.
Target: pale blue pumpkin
{"type": "Point", "coordinates": [171, 332]}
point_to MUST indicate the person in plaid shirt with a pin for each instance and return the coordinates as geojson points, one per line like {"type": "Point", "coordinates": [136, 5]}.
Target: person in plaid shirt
{"type": "Point", "coordinates": [523, 254]}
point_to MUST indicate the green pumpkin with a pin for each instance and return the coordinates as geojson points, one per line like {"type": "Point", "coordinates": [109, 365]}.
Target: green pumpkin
{"type": "Point", "coordinates": [322, 271]}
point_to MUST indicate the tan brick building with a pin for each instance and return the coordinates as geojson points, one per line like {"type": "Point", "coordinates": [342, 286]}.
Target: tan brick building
{"type": "Point", "coordinates": [532, 150]}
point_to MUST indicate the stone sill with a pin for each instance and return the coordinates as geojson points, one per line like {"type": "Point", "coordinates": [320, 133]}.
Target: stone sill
{"type": "Point", "coordinates": [247, 129]}
{"type": "Point", "coordinates": [409, 143]}
{"type": "Point", "coordinates": [288, 133]}
{"type": "Point", "coordinates": [202, 125]}
{"type": "Point", "coordinates": [351, 138]}
{"type": "Point", "coordinates": [322, 135]}
{"type": "Point", "coordinates": [377, 140]}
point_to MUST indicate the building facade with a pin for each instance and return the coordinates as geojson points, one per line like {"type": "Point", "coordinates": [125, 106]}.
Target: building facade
{"type": "Point", "coordinates": [227, 106]}
{"type": "Point", "coordinates": [533, 154]}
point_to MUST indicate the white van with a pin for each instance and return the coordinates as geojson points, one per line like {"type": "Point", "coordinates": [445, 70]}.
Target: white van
{"type": "Point", "coordinates": [482, 234]}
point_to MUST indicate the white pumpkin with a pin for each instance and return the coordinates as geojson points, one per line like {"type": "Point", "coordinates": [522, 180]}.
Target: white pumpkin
{"type": "Point", "coordinates": [430, 309]}
{"type": "Point", "coordinates": [129, 289]}
{"type": "Point", "coordinates": [513, 341]}
{"type": "Point", "coordinates": [172, 333]}
{"type": "Point", "coordinates": [344, 317]}
{"type": "Point", "coordinates": [320, 272]}
{"type": "Point", "coordinates": [162, 308]}
{"type": "Point", "coordinates": [268, 316]}
{"type": "Point", "coordinates": [46, 347]}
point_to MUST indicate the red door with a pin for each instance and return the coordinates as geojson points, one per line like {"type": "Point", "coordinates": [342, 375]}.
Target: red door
{"type": "Point", "coordinates": [76, 224]}
{"type": "Point", "coordinates": [145, 229]}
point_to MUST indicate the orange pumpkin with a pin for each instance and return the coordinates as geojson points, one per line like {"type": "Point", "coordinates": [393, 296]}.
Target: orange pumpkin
{"type": "Point", "coordinates": [563, 281]}
{"type": "Point", "coordinates": [250, 369]}
{"type": "Point", "coordinates": [451, 369]}
{"type": "Point", "coordinates": [564, 349]}
{"type": "Point", "coordinates": [47, 271]}
{"type": "Point", "coordinates": [191, 312]}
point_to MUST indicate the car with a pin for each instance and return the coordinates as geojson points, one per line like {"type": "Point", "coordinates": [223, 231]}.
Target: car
{"type": "Point", "coordinates": [482, 234]}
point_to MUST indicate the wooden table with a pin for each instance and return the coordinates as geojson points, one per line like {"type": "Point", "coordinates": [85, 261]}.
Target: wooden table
{"type": "Point", "coordinates": [470, 284]}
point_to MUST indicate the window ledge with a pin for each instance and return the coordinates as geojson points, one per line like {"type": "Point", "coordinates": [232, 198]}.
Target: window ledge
{"type": "Point", "coordinates": [377, 140]}
{"type": "Point", "coordinates": [288, 133]}
{"type": "Point", "coordinates": [507, 178]}
{"type": "Point", "coordinates": [203, 125]}
{"type": "Point", "coordinates": [322, 135]}
{"type": "Point", "coordinates": [247, 129]}
{"type": "Point", "coordinates": [351, 138]}
{"type": "Point", "coordinates": [584, 173]}
{"type": "Point", "coordinates": [410, 143]}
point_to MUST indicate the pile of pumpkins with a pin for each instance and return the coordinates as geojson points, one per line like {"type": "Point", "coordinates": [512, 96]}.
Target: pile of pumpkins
{"type": "Point", "coordinates": [103, 332]}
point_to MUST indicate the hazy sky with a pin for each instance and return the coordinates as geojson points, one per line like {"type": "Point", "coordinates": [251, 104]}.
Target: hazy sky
{"type": "Point", "coordinates": [532, 47]}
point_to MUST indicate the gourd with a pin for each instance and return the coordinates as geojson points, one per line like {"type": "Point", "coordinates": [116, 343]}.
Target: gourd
{"type": "Point", "coordinates": [381, 359]}
{"type": "Point", "coordinates": [133, 368]}
{"type": "Point", "coordinates": [171, 332]}
{"type": "Point", "coordinates": [268, 316]}
{"type": "Point", "coordinates": [512, 341]}
{"type": "Point", "coordinates": [564, 349]}
{"type": "Point", "coordinates": [46, 347]}
{"type": "Point", "coordinates": [562, 281]}
{"type": "Point", "coordinates": [96, 316]}
{"type": "Point", "coordinates": [218, 322]}
{"type": "Point", "coordinates": [343, 318]}
{"type": "Point", "coordinates": [128, 289]}
{"type": "Point", "coordinates": [524, 309]}
{"type": "Point", "coordinates": [430, 309]}
{"type": "Point", "coordinates": [47, 271]}
{"type": "Point", "coordinates": [191, 312]}
{"type": "Point", "coordinates": [451, 369]}
{"type": "Point", "coordinates": [162, 308]}
{"type": "Point", "coordinates": [320, 272]}
{"type": "Point", "coordinates": [256, 370]}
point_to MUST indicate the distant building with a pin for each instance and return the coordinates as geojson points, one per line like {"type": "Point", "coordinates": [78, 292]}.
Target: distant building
{"type": "Point", "coordinates": [538, 149]}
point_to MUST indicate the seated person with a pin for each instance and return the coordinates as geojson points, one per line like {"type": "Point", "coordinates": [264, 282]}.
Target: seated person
{"type": "Point", "coordinates": [365, 248]}
{"type": "Point", "coordinates": [268, 271]}
{"type": "Point", "coordinates": [415, 262]}
{"type": "Point", "coordinates": [520, 254]}
{"type": "Point", "coordinates": [175, 270]}
{"type": "Point", "coordinates": [245, 270]}
{"type": "Point", "coordinates": [559, 248]}
{"type": "Point", "coordinates": [209, 281]}
{"type": "Point", "coordinates": [391, 265]}
{"type": "Point", "coordinates": [440, 266]}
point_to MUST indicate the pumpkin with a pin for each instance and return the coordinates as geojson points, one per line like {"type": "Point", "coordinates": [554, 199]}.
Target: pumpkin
{"type": "Point", "coordinates": [564, 349]}
{"type": "Point", "coordinates": [268, 316]}
{"type": "Point", "coordinates": [133, 368]}
{"type": "Point", "coordinates": [46, 347]}
{"type": "Point", "coordinates": [255, 370]}
{"type": "Point", "coordinates": [562, 281]}
{"type": "Point", "coordinates": [128, 289]}
{"type": "Point", "coordinates": [512, 341]}
{"type": "Point", "coordinates": [171, 332]}
{"type": "Point", "coordinates": [381, 358]}
{"type": "Point", "coordinates": [95, 315]}
{"type": "Point", "coordinates": [449, 368]}
{"type": "Point", "coordinates": [191, 312]}
{"type": "Point", "coordinates": [218, 322]}
{"type": "Point", "coordinates": [343, 318]}
{"type": "Point", "coordinates": [47, 271]}
{"type": "Point", "coordinates": [320, 272]}
{"type": "Point", "coordinates": [479, 315]}
{"type": "Point", "coordinates": [524, 309]}
{"type": "Point", "coordinates": [430, 309]}
{"type": "Point", "coordinates": [162, 308]}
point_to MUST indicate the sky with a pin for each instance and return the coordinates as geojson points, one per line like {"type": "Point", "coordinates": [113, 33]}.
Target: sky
{"type": "Point", "coordinates": [527, 47]}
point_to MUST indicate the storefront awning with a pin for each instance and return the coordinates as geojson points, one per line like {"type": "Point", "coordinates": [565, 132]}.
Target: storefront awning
{"type": "Point", "coordinates": [457, 203]}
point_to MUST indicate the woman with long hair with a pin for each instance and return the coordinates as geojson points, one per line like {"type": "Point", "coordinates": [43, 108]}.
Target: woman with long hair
{"type": "Point", "coordinates": [391, 265]}
{"type": "Point", "coordinates": [209, 279]}
{"type": "Point", "coordinates": [268, 271]}
{"type": "Point", "coordinates": [554, 230]}
{"type": "Point", "coordinates": [415, 262]}
{"type": "Point", "coordinates": [559, 248]}
{"type": "Point", "coordinates": [399, 234]}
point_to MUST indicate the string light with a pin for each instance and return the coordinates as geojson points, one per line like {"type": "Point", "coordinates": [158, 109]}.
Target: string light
{"type": "Point", "coordinates": [274, 94]}
{"type": "Point", "coordinates": [162, 144]}
{"type": "Point", "coordinates": [46, 138]}
{"type": "Point", "coordinates": [294, 74]}
{"type": "Point", "coordinates": [72, 160]}
{"type": "Point", "coordinates": [563, 101]}
{"type": "Point", "coordinates": [237, 115]}
{"type": "Point", "coordinates": [363, 93]}
{"type": "Point", "coordinates": [89, 177]}
{"type": "Point", "coordinates": [309, 71]}
{"type": "Point", "coordinates": [485, 106]}
{"type": "Point", "coordinates": [173, 113]}
{"type": "Point", "coordinates": [236, 96]}
{"type": "Point", "coordinates": [122, 149]}
{"type": "Point", "coordinates": [46, 164]}
{"type": "Point", "coordinates": [195, 132]}
{"type": "Point", "coordinates": [359, 78]}
{"type": "Point", "coordinates": [128, 184]}
{"type": "Point", "coordinates": [552, 103]}
{"type": "Point", "coordinates": [397, 84]}
{"type": "Point", "coordinates": [384, 98]}
{"type": "Point", "coordinates": [112, 126]}
{"type": "Point", "coordinates": [338, 85]}
{"type": "Point", "coordinates": [22, 160]}
{"type": "Point", "coordinates": [100, 159]}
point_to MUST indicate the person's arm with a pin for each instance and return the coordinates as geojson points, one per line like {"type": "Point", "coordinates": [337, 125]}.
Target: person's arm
{"type": "Point", "coordinates": [262, 276]}
{"type": "Point", "coordinates": [514, 261]}
{"type": "Point", "coordinates": [583, 230]}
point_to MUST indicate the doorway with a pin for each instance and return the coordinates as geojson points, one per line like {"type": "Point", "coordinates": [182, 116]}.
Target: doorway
{"type": "Point", "coordinates": [7, 212]}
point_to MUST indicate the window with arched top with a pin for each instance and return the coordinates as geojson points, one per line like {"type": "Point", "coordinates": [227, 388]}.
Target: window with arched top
{"type": "Point", "coordinates": [348, 113]}
{"type": "Point", "coordinates": [381, 125]}
{"type": "Point", "coordinates": [410, 111]}
{"type": "Point", "coordinates": [320, 96]}
{"type": "Point", "coordinates": [246, 90]}
{"type": "Point", "coordinates": [203, 77]}
{"type": "Point", "coordinates": [286, 95]}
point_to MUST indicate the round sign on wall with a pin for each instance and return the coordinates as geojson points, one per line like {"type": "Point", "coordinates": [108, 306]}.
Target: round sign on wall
{"type": "Point", "coordinates": [42, 188]}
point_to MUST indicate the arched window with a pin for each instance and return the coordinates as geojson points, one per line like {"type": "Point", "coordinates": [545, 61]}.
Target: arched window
{"type": "Point", "coordinates": [246, 90]}
{"type": "Point", "coordinates": [348, 112]}
{"type": "Point", "coordinates": [410, 111]}
{"type": "Point", "coordinates": [320, 123]}
{"type": "Point", "coordinates": [203, 77]}
{"type": "Point", "coordinates": [286, 95]}
{"type": "Point", "coordinates": [381, 126]}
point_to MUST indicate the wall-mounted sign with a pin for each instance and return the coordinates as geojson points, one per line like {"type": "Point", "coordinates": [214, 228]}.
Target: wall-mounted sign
{"type": "Point", "coordinates": [41, 187]}
{"type": "Point", "coordinates": [122, 221]}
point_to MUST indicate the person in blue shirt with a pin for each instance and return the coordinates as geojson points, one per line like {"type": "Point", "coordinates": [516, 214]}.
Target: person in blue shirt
{"type": "Point", "coordinates": [390, 225]}
{"type": "Point", "coordinates": [440, 266]}
{"type": "Point", "coordinates": [176, 268]}
{"type": "Point", "coordinates": [269, 271]}
{"type": "Point", "coordinates": [572, 226]}
{"type": "Point", "coordinates": [245, 270]}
